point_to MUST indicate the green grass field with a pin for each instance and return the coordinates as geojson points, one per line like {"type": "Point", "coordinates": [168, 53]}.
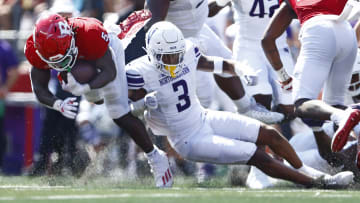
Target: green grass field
{"type": "Point", "coordinates": [106, 190]}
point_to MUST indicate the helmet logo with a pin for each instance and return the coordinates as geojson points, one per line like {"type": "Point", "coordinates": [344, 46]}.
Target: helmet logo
{"type": "Point", "coordinates": [171, 69]}
{"type": "Point", "coordinates": [56, 57]}
{"type": "Point", "coordinates": [64, 28]}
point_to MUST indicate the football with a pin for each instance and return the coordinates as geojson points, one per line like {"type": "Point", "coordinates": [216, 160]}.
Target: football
{"type": "Point", "coordinates": [83, 72]}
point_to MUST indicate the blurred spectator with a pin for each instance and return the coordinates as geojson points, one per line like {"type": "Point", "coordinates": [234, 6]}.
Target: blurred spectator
{"type": "Point", "coordinates": [6, 10]}
{"type": "Point", "coordinates": [90, 8]}
{"type": "Point", "coordinates": [8, 75]}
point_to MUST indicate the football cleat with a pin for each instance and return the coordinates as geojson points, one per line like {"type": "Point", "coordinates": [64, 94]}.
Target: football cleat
{"type": "Point", "coordinates": [259, 112]}
{"type": "Point", "coordinates": [160, 167]}
{"type": "Point", "coordinates": [346, 125]}
{"type": "Point", "coordinates": [337, 181]}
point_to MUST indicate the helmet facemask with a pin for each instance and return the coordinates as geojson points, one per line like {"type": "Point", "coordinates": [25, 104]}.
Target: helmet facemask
{"type": "Point", "coordinates": [169, 64]}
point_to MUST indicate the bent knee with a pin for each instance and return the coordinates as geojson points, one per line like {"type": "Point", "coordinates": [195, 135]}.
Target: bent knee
{"type": "Point", "coordinates": [268, 135]}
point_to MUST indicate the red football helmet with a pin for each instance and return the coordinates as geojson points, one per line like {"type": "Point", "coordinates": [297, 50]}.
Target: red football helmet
{"type": "Point", "coordinates": [54, 42]}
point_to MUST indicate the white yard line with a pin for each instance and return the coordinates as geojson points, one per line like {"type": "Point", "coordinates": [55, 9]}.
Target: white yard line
{"type": "Point", "coordinates": [95, 196]}
{"type": "Point", "coordinates": [35, 187]}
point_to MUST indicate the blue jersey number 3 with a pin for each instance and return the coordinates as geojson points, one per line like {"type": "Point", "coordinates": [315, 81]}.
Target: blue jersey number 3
{"type": "Point", "coordinates": [183, 98]}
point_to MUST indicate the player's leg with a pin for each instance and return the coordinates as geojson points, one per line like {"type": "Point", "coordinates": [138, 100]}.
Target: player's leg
{"type": "Point", "coordinates": [228, 124]}
{"type": "Point", "coordinates": [339, 77]}
{"type": "Point", "coordinates": [210, 148]}
{"type": "Point", "coordinates": [277, 169]}
{"type": "Point", "coordinates": [313, 69]}
{"type": "Point", "coordinates": [278, 144]}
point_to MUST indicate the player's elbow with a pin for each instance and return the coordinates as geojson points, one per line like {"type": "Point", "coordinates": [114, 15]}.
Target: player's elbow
{"type": "Point", "coordinates": [267, 42]}
{"type": "Point", "coordinates": [110, 75]}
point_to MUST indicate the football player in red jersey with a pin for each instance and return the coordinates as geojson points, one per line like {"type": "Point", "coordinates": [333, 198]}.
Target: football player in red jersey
{"type": "Point", "coordinates": [57, 43]}
{"type": "Point", "coordinates": [328, 51]}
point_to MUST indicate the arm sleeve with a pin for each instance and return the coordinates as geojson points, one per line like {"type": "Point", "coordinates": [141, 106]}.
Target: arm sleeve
{"type": "Point", "coordinates": [134, 78]}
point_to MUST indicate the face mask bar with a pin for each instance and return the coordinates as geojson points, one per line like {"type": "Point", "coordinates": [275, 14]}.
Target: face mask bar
{"type": "Point", "coordinates": [168, 68]}
{"type": "Point", "coordinates": [66, 62]}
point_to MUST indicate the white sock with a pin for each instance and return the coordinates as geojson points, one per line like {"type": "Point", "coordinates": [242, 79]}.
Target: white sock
{"type": "Point", "coordinates": [338, 116]}
{"type": "Point", "coordinates": [243, 104]}
{"type": "Point", "coordinates": [151, 154]}
{"type": "Point", "coordinates": [311, 171]}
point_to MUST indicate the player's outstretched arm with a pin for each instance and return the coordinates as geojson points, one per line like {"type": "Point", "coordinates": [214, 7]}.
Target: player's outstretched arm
{"type": "Point", "coordinates": [40, 80]}
{"type": "Point", "coordinates": [159, 10]}
{"type": "Point", "coordinates": [218, 65]}
{"type": "Point", "coordinates": [277, 26]}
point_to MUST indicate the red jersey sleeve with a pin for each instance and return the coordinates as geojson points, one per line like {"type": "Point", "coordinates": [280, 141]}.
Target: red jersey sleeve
{"type": "Point", "coordinates": [91, 38]}
{"type": "Point", "coordinates": [32, 57]}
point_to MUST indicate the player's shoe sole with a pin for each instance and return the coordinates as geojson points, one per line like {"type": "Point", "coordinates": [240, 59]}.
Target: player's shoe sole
{"type": "Point", "coordinates": [341, 135]}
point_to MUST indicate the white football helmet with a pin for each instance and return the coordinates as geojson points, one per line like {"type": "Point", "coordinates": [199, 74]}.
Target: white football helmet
{"type": "Point", "coordinates": [165, 46]}
{"type": "Point", "coordinates": [354, 86]}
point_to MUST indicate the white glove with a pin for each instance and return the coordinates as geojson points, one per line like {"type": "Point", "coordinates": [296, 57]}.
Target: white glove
{"type": "Point", "coordinates": [151, 101]}
{"type": "Point", "coordinates": [74, 87]}
{"type": "Point", "coordinates": [285, 79]}
{"type": "Point", "coordinates": [67, 107]}
{"type": "Point", "coordinates": [243, 69]}
{"type": "Point", "coordinates": [222, 2]}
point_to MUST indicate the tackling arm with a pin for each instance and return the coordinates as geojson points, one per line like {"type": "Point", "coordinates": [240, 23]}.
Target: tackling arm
{"type": "Point", "coordinates": [277, 26]}
{"type": "Point", "coordinates": [220, 65]}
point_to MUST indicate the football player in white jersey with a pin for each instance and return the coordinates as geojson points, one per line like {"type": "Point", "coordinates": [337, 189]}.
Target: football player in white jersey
{"type": "Point", "coordinates": [251, 19]}
{"type": "Point", "coordinates": [168, 73]}
{"type": "Point", "coordinates": [189, 16]}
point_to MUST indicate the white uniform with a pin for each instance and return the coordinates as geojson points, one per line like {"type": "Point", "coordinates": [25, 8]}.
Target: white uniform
{"type": "Point", "coordinates": [195, 133]}
{"type": "Point", "coordinates": [251, 19]}
{"type": "Point", "coordinates": [115, 93]}
{"type": "Point", "coordinates": [327, 55]}
{"type": "Point", "coordinates": [190, 16]}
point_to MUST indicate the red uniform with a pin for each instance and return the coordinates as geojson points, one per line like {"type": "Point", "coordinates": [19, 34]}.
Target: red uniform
{"type": "Point", "coordinates": [91, 39]}
{"type": "Point", "coordinates": [306, 9]}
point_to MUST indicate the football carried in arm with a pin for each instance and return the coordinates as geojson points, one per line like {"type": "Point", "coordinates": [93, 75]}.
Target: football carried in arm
{"type": "Point", "coordinates": [82, 71]}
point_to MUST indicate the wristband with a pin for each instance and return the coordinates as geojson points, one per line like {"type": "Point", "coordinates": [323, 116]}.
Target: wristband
{"type": "Point", "coordinates": [218, 65]}
{"type": "Point", "coordinates": [282, 74]}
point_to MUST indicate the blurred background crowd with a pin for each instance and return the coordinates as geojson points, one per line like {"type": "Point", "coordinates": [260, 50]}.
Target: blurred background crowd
{"type": "Point", "coordinates": [37, 141]}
